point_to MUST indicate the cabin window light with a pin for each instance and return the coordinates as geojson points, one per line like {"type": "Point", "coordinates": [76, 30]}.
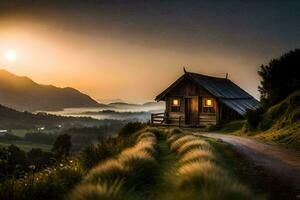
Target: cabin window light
{"type": "Point", "coordinates": [175, 105]}
{"type": "Point", "coordinates": [175, 102]}
{"type": "Point", "coordinates": [208, 103]}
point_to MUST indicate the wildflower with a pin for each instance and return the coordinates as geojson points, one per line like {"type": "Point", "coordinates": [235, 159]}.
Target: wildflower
{"type": "Point", "coordinates": [32, 167]}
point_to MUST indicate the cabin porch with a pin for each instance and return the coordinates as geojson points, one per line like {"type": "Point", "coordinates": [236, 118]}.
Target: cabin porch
{"type": "Point", "coordinates": [197, 111]}
{"type": "Point", "coordinates": [162, 119]}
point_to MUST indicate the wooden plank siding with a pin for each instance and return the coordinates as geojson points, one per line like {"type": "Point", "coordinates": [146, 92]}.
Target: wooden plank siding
{"type": "Point", "coordinates": [188, 89]}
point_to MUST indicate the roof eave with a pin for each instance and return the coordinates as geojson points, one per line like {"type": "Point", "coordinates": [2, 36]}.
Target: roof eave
{"type": "Point", "coordinates": [162, 95]}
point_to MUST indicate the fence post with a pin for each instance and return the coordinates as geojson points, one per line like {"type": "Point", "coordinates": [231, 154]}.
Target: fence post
{"type": "Point", "coordinates": [151, 118]}
{"type": "Point", "coordinates": [179, 122]}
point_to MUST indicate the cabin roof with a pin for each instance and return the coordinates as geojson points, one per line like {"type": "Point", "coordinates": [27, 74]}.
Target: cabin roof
{"type": "Point", "coordinates": [223, 89]}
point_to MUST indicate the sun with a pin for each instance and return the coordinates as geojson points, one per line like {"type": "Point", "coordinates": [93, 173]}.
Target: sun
{"type": "Point", "coordinates": [10, 55]}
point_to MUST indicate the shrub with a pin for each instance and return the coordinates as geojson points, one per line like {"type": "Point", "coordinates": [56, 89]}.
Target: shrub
{"type": "Point", "coordinates": [39, 158]}
{"type": "Point", "coordinates": [254, 117]}
{"type": "Point", "coordinates": [91, 155]}
{"type": "Point", "coordinates": [62, 146]}
{"type": "Point", "coordinates": [51, 183]}
{"type": "Point", "coordinates": [130, 128]}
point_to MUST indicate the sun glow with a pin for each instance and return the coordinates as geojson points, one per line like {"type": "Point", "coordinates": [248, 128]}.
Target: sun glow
{"type": "Point", "coordinates": [10, 55]}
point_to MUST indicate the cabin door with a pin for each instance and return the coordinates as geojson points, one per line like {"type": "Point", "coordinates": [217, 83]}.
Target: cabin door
{"type": "Point", "coordinates": [191, 110]}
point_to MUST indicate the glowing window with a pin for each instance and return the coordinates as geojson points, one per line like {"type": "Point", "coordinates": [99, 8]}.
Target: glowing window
{"type": "Point", "coordinates": [208, 103]}
{"type": "Point", "coordinates": [175, 105]}
{"type": "Point", "coordinates": [175, 102]}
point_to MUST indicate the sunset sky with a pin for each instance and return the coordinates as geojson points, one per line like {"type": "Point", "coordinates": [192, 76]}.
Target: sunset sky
{"type": "Point", "coordinates": [134, 49]}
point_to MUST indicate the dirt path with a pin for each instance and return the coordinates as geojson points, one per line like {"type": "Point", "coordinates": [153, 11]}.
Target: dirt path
{"type": "Point", "coordinates": [283, 163]}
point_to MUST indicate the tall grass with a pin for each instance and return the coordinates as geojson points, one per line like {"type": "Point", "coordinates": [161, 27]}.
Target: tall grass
{"type": "Point", "coordinates": [52, 183]}
{"type": "Point", "coordinates": [132, 170]}
{"type": "Point", "coordinates": [199, 176]}
{"type": "Point", "coordinates": [103, 192]}
{"type": "Point", "coordinates": [180, 141]}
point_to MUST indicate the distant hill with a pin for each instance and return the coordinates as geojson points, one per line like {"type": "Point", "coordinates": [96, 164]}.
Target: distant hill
{"type": "Point", "coordinates": [108, 101]}
{"type": "Point", "coordinates": [148, 106]}
{"type": "Point", "coordinates": [12, 119]}
{"type": "Point", "coordinates": [123, 105]}
{"type": "Point", "coordinates": [22, 93]}
{"type": "Point", "coordinates": [153, 103]}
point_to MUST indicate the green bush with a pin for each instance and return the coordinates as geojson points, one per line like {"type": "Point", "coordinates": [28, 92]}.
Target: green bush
{"type": "Point", "coordinates": [52, 183]}
{"type": "Point", "coordinates": [91, 155]}
{"type": "Point", "coordinates": [254, 117]}
{"type": "Point", "coordinates": [39, 158]}
{"type": "Point", "coordinates": [130, 128]}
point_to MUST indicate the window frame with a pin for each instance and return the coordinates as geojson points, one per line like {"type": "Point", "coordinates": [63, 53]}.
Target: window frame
{"type": "Point", "coordinates": [175, 108]}
{"type": "Point", "coordinates": [208, 108]}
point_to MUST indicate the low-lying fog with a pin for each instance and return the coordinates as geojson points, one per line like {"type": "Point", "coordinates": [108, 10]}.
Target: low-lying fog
{"type": "Point", "coordinates": [117, 110]}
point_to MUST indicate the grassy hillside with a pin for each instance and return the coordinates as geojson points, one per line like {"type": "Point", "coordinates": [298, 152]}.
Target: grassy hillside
{"type": "Point", "coordinates": [148, 164]}
{"type": "Point", "coordinates": [280, 124]}
{"type": "Point", "coordinates": [162, 165]}
{"type": "Point", "coordinates": [24, 94]}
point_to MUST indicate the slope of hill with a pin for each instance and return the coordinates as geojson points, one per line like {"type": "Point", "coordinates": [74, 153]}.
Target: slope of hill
{"type": "Point", "coordinates": [22, 93]}
{"type": "Point", "coordinates": [281, 123]}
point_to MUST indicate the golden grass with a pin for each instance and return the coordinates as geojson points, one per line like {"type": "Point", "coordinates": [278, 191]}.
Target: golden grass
{"type": "Point", "coordinates": [193, 144]}
{"type": "Point", "coordinates": [99, 192]}
{"type": "Point", "coordinates": [107, 168]}
{"type": "Point", "coordinates": [146, 135]}
{"type": "Point", "coordinates": [199, 167]}
{"type": "Point", "coordinates": [95, 184]}
{"type": "Point", "coordinates": [198, 175]}
{"type": "Point", "coordinates": [180, 141]}
{"type": "Point", "coordinates": [135, 155]}
{"type": "Point", "coordinates": [194, 155]}
{"type": "Point", "coordinates": [172, 138]}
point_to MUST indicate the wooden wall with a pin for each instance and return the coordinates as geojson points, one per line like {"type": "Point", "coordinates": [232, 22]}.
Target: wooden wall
{"type": "Point", "coordinates": [187, 89]}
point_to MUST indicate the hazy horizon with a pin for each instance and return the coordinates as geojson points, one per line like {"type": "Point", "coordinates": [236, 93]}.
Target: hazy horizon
{"type": "Point", "coordinates": [134, 50]}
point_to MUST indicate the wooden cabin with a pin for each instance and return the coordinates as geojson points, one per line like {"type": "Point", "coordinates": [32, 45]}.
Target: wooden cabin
{"type": "Point", "coordinates": [200, 100]}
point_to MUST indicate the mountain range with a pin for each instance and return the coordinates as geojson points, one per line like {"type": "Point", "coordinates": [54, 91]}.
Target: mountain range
{"type": "Point", "coordinates": [22, 93]}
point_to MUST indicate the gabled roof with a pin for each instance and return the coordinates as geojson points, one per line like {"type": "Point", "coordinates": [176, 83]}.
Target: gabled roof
{"type": "Point", "coordinates": [222, 88]}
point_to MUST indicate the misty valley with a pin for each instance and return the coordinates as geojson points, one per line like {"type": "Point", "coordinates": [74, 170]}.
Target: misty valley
{"type": "Point", "coordinates": [85, 125]}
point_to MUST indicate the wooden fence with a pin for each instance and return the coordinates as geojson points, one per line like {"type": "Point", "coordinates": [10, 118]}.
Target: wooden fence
{"type": "Point", "coordinates": [162, 119]}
